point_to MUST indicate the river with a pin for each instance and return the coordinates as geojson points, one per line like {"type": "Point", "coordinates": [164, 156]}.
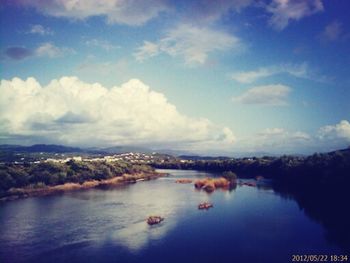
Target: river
{"type": "Point", "coordinates": [246, 224]}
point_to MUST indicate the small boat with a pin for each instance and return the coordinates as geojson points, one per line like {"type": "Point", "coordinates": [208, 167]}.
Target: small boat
{"type": "Point", "coordinates": [153, 220]}
{"type": "Point", "coordinates": [205, 205]}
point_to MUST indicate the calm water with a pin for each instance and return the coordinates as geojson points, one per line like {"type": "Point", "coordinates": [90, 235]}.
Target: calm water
{"type": "Point", "coordinates": [247, 224]}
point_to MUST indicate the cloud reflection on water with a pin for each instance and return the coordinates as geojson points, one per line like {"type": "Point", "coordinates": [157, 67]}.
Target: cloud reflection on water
{"type": "Point", "coordinates": [116, 215]}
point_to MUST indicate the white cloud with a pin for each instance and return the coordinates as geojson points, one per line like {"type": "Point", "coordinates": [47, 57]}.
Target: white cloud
{"type": "Point", "coordinates": [273, 133]}
{"type": "Point", "coordinates": [273, 95]}
{"type": "Point", "coordinates": [284, 11]}
{"type": "Point", "coordinates": [52, 51]}
{"type": "Point", "coordinates": [147, 50]}
{"type": "Point", "coordinates": [40, 30]}
{"type": "Point", "coordinates": [279, 140]}
{"type": "Point", "coordinates": [136, 13]}
{"type": "Point", "coordinates": [70, 111]}
{"type": "Point", "coordinates": [252, 76]}
{"type": "Point", "coordinates": [299, 71]}
{"type": "Point", "coordinates": [332, 32]}
{"type": "Point", "coordinates": [191, 43]}
{"type": "Point", "coordinates": [276, 140]}
{"type": "Point", "coordinates": [129, 12]}
{"type": "Point", "coordinates": [334, 132]}
{"type": "Point", "coordinates": [327, 138]}
{"type": "Point", "coordinates": [104, 44]}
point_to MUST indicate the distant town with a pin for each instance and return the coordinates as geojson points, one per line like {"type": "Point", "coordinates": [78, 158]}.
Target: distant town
{"type": "Point", "coordinates": [137, 158]}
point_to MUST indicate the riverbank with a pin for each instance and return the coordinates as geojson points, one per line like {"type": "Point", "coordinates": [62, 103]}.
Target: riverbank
{"type": "Point", "coordinates": [314, 170]}
{"type": "Point", "coordinates": [30, 191]}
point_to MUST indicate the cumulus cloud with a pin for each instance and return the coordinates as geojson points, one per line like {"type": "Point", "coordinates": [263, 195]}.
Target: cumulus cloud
{"type": "Point", "coordinates": [104, 44]}
{"type": "Point", "coordinates": [40, 30]}
{"type": "Point", "coordinates": [129, 12]}
{"type": "Point", "coordinates": [273, 95]}
{"type": "Point", "coordinates": [297, 70]}
{"type": "Point", "coordinates": [191, 43]}
{"type": "Point", "coordinates": [44, 50]}
{"type": "Point", "coordinates": [284, 11]}
{"type": "Point", "coordinates": [334, 132]}
{"type": "Point", "coordinates": [70, 111]}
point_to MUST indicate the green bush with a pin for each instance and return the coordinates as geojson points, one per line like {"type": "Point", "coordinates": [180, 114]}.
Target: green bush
{"type": "Point", "coordinates": [231, 176]}
{"type": "Point", "coordinates": [49, 173]}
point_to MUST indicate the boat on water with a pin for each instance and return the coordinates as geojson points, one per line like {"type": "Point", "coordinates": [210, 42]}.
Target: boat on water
{"type": "Point", "coordinates": [205, 205]}
{"type": "Point", "coordinates": [153, 220]}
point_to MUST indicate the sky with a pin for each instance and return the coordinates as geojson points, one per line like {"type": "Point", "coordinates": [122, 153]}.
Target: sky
{"type": "Point", "coordinates": [206, 77]}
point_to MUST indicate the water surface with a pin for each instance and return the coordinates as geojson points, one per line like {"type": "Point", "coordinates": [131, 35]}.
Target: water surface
{"type": "Point", "coordinates": [247, 224]}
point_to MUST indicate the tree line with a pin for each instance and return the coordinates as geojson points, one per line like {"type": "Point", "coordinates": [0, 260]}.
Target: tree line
{"type": "Point", "coordinates": [50, 173]}
{"type": "Point", "coordinates": [319, 167]}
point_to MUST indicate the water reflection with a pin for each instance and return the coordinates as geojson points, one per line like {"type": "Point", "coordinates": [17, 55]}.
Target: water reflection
{"type": "Point", "coordinates": [90, 224]}
{"type": "Point", "coordinates": [326, 205]}
{"type": "Point", "coordinates": [159, 200]}
{"type": "Point", "coordinates": [137, 235]}
{"type": "Point", "coordinates": [144, 199]}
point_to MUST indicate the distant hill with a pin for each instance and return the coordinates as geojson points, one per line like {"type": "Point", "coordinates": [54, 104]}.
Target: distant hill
{"type": "Point", "coordinates": [53, 148]}
{"type": "Point", "coordinates": [123, 149]}
{"type": "Point", "coordinates": [47, 148]}
{"type": "Point", "coordinates": [206, 158]}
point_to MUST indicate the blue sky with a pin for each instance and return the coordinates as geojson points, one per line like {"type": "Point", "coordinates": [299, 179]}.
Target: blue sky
{"type": "Point", "coordinates": [209, 77]}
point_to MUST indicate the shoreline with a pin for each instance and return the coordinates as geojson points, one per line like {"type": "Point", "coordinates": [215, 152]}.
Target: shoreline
{"type": "Point", "coordinates": [25, 192]}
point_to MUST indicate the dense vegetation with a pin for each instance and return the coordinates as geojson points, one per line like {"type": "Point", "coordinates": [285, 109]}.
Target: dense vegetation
{"type": "Point", "coordinates": [49, 173]}
{"type": "Point", "coordinates": [319, 183]}
{"type": "Point", "coordinates": [319, 168]}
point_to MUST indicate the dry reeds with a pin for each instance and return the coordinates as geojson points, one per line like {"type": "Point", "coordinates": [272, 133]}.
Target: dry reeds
{"type": "Point", "coordinates": [210, 184]}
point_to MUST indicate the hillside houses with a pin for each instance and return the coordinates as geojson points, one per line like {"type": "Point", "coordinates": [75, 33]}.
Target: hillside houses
{"type": "Point", "coordinates": [140, 158]}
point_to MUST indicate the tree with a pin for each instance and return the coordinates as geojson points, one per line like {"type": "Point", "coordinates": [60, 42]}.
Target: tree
{"type": "Point", "coordinates": [229, 175]}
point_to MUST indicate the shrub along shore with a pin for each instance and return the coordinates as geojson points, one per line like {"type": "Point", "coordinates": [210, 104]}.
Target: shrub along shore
{"type": "Point", "coordinates": [25, 180]}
